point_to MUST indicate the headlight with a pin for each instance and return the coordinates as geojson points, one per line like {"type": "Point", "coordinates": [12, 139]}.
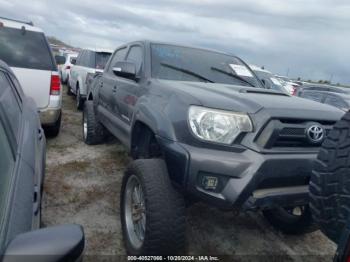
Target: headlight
{"type": "Point", "coordinates": [218, 125]}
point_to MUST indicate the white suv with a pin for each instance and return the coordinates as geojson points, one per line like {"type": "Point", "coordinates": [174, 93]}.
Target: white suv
{"type": "Point", "coordinates": [89, 62]}
{"type": "Point", "coordinates": [26, 50]}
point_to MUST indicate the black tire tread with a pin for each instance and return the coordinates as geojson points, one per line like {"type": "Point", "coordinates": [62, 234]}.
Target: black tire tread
{"type": "Point", "coordinates": [53, 131]}
{"type": "Point", "coordinates": [80, 100]}
{"type": "Point", "coordinates": [95, 130]}
{"type": "Point", "coordinates": [330, 181]}
{"type": "Point", "coordinates": [165, 209]}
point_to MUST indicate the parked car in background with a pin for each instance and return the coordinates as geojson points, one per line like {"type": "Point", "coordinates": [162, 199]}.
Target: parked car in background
{"type": "Point", "coordinates": [337, 99]}
{"type": "Point", "coordinates": [66, 67]}
{"type": "Point", "coordinates": [201, 126]}
{"type": "Point", "coordinates": [89, 61]}
{"type": "Point", "coordinates": [22, 169]}
{"type": "Point", "coordinates": [25, 49]}
{"type": "Point", "coordinates": [269, 80]}
{"type": "Point", "coordinates": [322, 87]}
{"type": "Point", "coordinates": [289, 85]}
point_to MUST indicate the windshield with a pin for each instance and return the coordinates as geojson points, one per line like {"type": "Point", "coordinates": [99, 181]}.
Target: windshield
{"type": "Point", "coordinates": [101, 59]}
{"type": "Point", "coordinates": [271, 81]}
{"type": "Point", "coordinates": [190, 64]}
{"type": "Point", "coordinates": [25, 49]}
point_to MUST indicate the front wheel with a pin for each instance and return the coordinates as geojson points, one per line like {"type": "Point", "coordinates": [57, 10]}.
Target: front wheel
{"type": "Point", "coordinates": [93, 130]}
{"type": "Point", "coordinates": [152, 211]}
{"type": "Point", "coordinates": [292, 221]}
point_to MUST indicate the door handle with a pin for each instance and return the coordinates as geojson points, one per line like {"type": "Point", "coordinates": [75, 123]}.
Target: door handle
{"type": "Point", "coordinates": [114, 89]}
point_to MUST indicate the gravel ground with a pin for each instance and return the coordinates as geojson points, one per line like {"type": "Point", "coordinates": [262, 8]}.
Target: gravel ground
{"type": "Point", "coordinates": [83, 183]}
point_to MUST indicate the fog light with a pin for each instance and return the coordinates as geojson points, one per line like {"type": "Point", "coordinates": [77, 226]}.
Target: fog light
{"type": "Point", "coordinates": [209, 182]}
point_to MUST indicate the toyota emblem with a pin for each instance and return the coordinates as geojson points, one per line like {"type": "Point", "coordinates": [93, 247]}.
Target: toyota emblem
{"type": "Point", "coordinates": [315, 134]}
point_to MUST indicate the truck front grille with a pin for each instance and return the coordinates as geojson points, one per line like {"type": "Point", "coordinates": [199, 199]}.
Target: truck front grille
{"type": "Point", "coordinates": [284, 134]}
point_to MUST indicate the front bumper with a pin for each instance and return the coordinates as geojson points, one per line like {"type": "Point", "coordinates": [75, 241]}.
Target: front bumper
{"type": "Point", "coordinates": [247, 179]}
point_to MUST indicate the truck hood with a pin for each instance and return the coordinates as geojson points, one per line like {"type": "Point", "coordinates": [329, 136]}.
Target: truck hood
{"type": "Point", "coordinates": [251, 100]}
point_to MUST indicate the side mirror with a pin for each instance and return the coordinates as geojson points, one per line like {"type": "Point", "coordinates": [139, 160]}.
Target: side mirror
{"type": "Point", "coordinates": [125, 69]}
{"type": "Point", "coordinates": [60, 60]}
{"type": "Point", "coordinates": [73, 61]}
{"type": "Point", "coordinates": [53, 244]}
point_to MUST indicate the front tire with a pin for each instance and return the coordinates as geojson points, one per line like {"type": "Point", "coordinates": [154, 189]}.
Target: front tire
{"type": "Point", "coordinates": [291, 221]}
{"type": "Point", "coordinates": [162, 211]}
{"type": "Point", "coordinates": [330, 181]}
{"type": "Point", "coordinates": [93, 130]}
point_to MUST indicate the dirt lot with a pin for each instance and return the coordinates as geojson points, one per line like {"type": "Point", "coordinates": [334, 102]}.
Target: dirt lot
{"type": "Point", "coordinates": [83, 183]}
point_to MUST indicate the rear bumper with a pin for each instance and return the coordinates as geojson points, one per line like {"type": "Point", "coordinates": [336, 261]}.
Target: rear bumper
{"type": "Point", "coordinates": [246, 179]}
{"type": "Point", "coordinates": [49, 115]}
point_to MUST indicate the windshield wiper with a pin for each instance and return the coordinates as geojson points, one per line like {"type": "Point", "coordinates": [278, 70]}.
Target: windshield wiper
{"type": "Point", "coordinates": [183, 70]}
{"type": "Point", "coordinates": [232, 75]}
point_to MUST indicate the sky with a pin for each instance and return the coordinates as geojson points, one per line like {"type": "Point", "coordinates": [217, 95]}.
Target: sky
{"type": "Point", "coordinates": [302, 38]}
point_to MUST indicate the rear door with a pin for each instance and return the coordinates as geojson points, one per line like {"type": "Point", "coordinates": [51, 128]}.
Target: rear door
{"type": "Point", "coordinates": [109, 82]}
{"type": "Point", "coordinates": [29, 55]}
{"type": "Point", "coordinates": [17, 176]}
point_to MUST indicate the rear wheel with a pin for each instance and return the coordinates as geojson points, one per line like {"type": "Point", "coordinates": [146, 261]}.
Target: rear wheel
{"type": "Point", "coordinates": [93, 130]}
{"type": "Point", "coordinates": [292, 221]}
{"type": "Point", "coordinates": [53, 131]}
{"type": "Point", "coordinates": [79, 99]}
{"type": "Point", "coordinates": [69, 91]}
{"type": "Point", "coordinates": [152, 211]}
{"type": "Point", "coordinates": [330, 181]}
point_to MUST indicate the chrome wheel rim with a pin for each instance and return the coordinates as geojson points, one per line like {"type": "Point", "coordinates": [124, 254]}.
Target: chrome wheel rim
{"type": "Point", "coordinates": [84, 126]}
{"type": "Point", "coordinates": [135, 212]}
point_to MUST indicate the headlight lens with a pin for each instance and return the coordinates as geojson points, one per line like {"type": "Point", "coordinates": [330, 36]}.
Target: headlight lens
{"type": "Point", "coordinates": [218, 125]}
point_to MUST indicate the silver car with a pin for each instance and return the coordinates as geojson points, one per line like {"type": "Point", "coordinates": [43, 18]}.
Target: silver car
{"type": "Point", "coordinates": [25, 49]}
{"type": "Point", "coordinates": [89, 62]}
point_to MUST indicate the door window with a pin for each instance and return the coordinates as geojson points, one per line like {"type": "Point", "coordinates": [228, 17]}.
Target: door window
{"type": "Point", "coordinates": [335, 101]}
{"type": "Point", "coordinates": [7, 162]}
{"type": "Point", "coordinates": [119, 55]}
{"type": "Point", "coordinates": [10, 103]}
{"type": "Point", "coordinates": [135, 55]}
{"type": "Point", "coordinates": [313, 96]}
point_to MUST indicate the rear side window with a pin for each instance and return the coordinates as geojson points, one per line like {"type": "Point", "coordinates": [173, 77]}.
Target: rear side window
{"type": "Point", "coordinates": [313, 96]}
{"type": "Point", "coordinates": [25, 49]}
{"type": "Point", "coordinates": [335, 101]}
{"type": "Point", "coordinates": [101, 59]}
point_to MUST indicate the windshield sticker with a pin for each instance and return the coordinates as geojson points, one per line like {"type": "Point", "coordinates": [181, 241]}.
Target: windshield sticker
{"type": "Point", "coordinates": [275, 81]}
{"type": "Point", "coordinates": [241, 70]}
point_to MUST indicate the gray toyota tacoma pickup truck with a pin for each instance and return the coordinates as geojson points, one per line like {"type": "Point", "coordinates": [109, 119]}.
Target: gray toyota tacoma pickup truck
{"type": "Point", "coordinates": [200, 125]}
